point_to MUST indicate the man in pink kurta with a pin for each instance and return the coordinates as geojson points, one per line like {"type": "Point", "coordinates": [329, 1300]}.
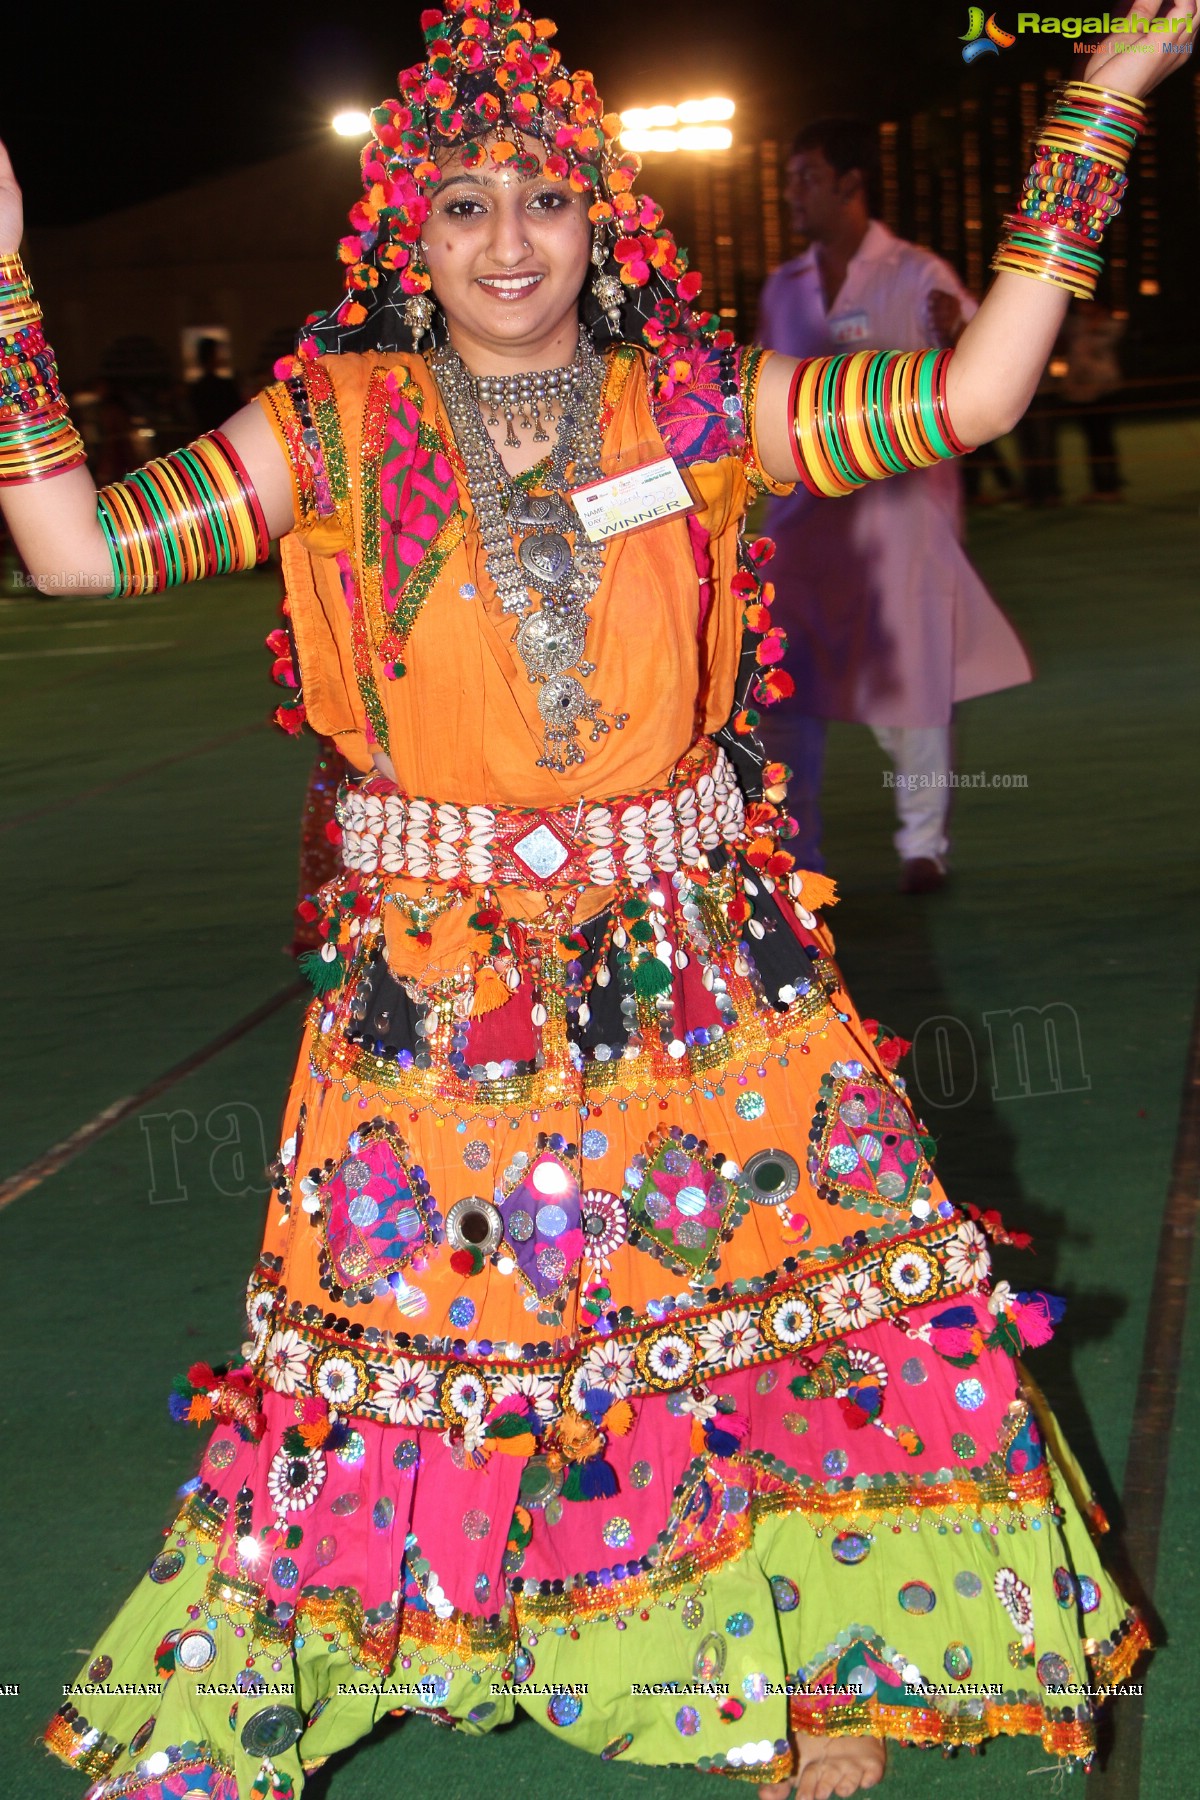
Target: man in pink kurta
{"type": "Point", "coordinates": [889, 623]}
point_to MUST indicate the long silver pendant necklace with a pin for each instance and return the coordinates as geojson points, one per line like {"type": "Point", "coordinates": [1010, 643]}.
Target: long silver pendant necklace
{"type": "Point", "coordinates": [551, 639]}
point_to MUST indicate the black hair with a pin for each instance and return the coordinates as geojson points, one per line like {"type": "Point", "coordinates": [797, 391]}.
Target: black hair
{"type": "Point", "coordinates": [845, 144]}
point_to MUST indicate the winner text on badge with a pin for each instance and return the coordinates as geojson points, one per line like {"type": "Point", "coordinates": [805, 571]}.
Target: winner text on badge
{"type": "Point", "coordinates": [638, 497]}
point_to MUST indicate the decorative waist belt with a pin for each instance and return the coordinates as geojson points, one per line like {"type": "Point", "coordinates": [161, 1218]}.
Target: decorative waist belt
{"type": "Point", "coordinates": [598, 842]}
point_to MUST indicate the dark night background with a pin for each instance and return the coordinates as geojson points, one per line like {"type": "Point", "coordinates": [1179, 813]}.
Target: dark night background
{"type": "Point", "coordinates": [124, 104]}
{"type": "Point", "coordinates": [129, 106]}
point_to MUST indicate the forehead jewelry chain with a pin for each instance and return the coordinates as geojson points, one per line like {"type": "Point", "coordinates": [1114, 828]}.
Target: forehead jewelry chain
{"type": "Point", "coordinates": [543, 559]}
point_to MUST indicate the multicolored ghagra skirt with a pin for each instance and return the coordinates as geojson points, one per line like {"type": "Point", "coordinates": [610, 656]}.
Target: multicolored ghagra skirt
{"type": "Point", "coordinates": [613, 1354]}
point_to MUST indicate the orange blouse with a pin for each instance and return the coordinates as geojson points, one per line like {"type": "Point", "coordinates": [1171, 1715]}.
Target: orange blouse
{"type": "Point", "coordinates": [461, 723]}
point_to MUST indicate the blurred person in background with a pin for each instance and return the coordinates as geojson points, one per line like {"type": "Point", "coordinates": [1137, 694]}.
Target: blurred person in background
{"type": "Point", "coordinates": [1093, 376]}
{"type": "Point", "coordinates": [889, 622]}
{"type": "Point", "coordinates": [1037, 433]}
{"type": "Point", "coordinates": [213, 396]}
{"type": "Point", "coordinates": [117, 447]}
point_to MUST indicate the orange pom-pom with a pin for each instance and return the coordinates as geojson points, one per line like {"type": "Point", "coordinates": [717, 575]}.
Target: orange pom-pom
{"type": "Point", "coordinates": [524, 1445]}
{"type": "Point", "coordinates": [817, 891]}
{"type": "Point", "coordinates": [760, 851]}
{"type": "Point", "coordinates": [619, 1418]}
{"type": "Point", "coordinates": [491, 991]}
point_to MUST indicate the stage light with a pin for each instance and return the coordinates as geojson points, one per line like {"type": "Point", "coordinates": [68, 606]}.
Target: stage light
{"type": "Point", "coordinates": [642, 141]}
{"type": "Point", "coordinates": [705, 137]}
{"type": "Point", "coordinates": [706, 112]}
{"type": "Point", "coordinates": [351, 124]}
{"type": "Point", "coordinates": [647, 118]}
{"type": "Point", "coordinates": [689, 126]}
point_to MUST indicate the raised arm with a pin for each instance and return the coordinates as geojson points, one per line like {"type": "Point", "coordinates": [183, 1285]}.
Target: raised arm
{"type": "Point", "coordinates": [214, 506]}
{"type": "Point", "coordinates": [912, 413]}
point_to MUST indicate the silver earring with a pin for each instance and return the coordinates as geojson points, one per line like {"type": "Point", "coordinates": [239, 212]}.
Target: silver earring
{"type": "Point", "coordinates": [418, 316]}
{"type": "Point", "coordinates": [607, 290]}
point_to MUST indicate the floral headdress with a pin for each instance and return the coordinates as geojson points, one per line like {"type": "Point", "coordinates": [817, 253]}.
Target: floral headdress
{"type": "Point", "coordinates": [490, 80]}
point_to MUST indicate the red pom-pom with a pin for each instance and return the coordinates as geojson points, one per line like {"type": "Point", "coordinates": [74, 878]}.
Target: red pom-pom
{"type": "Point", "coordinates": [290, 719]}
{"type": "Point", "coordinates": [775, 685]}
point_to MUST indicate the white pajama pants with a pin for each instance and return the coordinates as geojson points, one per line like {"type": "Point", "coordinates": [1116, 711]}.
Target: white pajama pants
{"type": "Point", "coordinates": [920, 757]}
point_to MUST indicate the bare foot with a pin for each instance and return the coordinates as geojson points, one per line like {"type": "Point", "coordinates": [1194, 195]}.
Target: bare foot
{"type": "Point", "coordinates": [828, 1766]}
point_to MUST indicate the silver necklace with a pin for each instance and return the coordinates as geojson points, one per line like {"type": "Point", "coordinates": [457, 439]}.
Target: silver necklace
{"type": "Point", "coordinates": [551, 639]}
{"type": "Point", "coordinates": [527, 398]}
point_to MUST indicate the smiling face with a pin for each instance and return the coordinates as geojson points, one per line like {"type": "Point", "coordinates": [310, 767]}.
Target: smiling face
{"type": "Point", "coordinates": [507, 255]}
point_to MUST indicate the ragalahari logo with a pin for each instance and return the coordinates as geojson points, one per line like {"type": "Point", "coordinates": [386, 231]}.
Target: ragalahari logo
{"type": "Point", "coordinates": [983, 37]}
{"type": "Point", "coordinates": [1128, 31]}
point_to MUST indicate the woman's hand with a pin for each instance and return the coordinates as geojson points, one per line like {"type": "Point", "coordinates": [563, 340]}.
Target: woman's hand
{"type": "Point", "coordinates": [12, 212]}
{"type": "Point", "coordinates": [1134, 62]}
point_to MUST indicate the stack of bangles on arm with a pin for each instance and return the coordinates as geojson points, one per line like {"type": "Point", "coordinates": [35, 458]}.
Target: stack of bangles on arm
{"type": "Point", "coordinates": [189, 514]}
{"type": "Point", "coordinates": [859, 417]}
{"type": "Point", "coordinates": [37, 437]}
{"type": "Point", "coordinates": [1073, 189]}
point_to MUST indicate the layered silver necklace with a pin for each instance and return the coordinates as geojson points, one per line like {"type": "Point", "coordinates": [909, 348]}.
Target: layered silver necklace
{"type": "Point", "coordinates": [525, 535]}
{"type": "Point", "coordinates": [527, 399]}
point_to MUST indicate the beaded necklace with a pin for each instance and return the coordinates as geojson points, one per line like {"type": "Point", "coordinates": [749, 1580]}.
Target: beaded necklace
{"type": "Point", "coordinates": [552, 638]}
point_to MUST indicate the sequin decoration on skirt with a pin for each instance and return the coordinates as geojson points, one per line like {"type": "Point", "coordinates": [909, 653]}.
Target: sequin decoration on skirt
{"type": "Point", "coordinates": [614, 1353]}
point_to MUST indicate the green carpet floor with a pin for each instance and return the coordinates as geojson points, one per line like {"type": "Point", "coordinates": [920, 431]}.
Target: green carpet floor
{"type": "Point", "coordinates": [149, 822]}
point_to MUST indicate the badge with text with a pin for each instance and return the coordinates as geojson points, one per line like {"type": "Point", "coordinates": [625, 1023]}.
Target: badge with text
{"type": "Point", "coordinates": [850, 328]}
{"type": "Point", "coordinates": [637, 497]}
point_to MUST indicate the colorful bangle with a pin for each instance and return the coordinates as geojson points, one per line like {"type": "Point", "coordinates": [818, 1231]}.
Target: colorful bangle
{"type": "Point", "coordinates": [182, 517]}
{"type": "Point", "coordinates": [1074, 188]}
{"type": "Point", "coordinates": [37, 437]}
{"type": "Point", "coordinates": [872, 413]}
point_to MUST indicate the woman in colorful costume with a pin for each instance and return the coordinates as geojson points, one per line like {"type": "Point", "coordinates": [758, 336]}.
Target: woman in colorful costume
{"type": "Point", "coordinates": [611, 1330]}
